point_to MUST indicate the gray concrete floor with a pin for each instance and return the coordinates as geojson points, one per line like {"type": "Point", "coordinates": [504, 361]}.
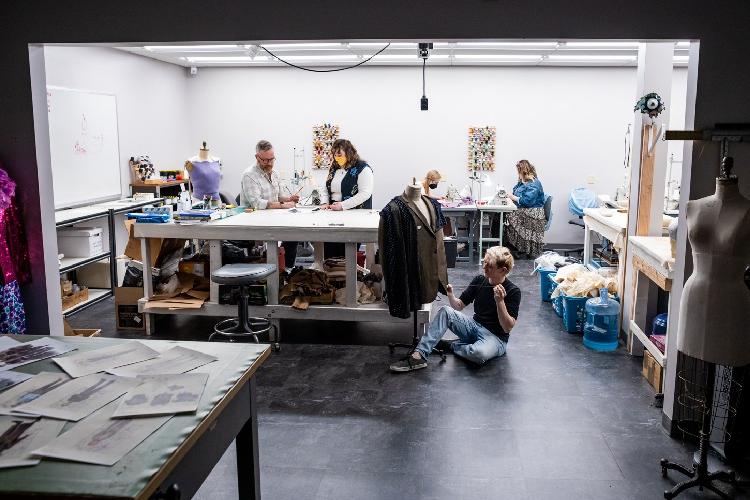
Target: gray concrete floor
{"type": "Point", "coordinates": [550, 420]}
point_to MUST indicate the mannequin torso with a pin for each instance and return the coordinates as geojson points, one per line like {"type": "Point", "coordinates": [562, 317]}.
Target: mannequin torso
{"type": "Point", "coordinates": [205, 174]}
{"type": "Point", "coordinates": [715, 304]}
{"type": "Point", "coordinates": [413, 194]}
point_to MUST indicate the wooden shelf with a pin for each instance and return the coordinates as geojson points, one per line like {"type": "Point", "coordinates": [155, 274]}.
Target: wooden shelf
{"type": "Point", "coordinates": [158, 184]}
{"type": "Point", "coordinates": [655, 352]}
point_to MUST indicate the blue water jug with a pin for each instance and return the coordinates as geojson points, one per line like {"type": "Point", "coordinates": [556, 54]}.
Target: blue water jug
{"type": "Point", "coordinates": [601, 330]}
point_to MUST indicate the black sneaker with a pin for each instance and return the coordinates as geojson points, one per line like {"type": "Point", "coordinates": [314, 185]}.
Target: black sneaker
{"type": "Point", "coordinates": [446, 346]}
{"type": "Point", "coordinates": [409, 364]}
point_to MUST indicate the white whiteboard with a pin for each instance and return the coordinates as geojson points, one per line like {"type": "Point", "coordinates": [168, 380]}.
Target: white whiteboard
{"type": "Point", "coordinates": [83, 144]}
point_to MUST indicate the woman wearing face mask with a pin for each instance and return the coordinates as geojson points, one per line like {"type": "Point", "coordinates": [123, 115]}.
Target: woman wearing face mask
{"type": "Point", "coordinates": [349, 185]}
{"type": "Point", "coordinates": [350, 180]}
{"type": "Point", "coordinates": [430, 182]}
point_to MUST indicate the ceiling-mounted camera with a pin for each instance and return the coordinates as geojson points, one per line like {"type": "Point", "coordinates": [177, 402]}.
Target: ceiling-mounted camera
{"type": "Point", "coordinates": [424, 50]}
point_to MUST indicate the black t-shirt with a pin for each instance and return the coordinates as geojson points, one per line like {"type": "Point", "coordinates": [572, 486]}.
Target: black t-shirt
{"type": "Point", "coordinates": [480, 292]}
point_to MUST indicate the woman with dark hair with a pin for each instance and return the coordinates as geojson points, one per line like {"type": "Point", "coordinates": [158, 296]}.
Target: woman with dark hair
{"type": "Point", "coordinates": [525, 229]}
{"type": "Point", "coordinates": [349, 185]}
{"type": "Point", "coordinates": [350, 180]}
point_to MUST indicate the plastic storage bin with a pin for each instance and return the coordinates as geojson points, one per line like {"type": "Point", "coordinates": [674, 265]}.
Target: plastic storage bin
{"type": "Point", "coordinates": [545, 284]}
{"type": "Point", "coordinates": [659, 324]}
{"type": "Point", "coordinates": [574, 314]}
{"type": "Point", "coordinates": [602, 328]}
{"type": "Point", "coordinates": [556, 301]}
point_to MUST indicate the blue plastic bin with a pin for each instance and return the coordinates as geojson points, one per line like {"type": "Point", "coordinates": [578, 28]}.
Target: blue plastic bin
{"type": "Point", "coordinates": [574, 312]}
{"type": "Point", "coordinates": [545, 285]}
{"type": "Point", "coordinates": [557, 301]}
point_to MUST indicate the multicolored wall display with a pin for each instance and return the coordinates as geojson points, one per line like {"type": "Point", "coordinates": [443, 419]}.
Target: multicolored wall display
{"type": "Point", "coordinates": [481, 148]}
{"type": "Point", "coordinates": [323, 138]}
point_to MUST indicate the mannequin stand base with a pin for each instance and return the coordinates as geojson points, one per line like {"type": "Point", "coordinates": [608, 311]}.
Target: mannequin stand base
{"type": "Point", "coordinates": [699, 476]}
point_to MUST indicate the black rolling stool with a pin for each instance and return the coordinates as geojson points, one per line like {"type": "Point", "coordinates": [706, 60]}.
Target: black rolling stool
{"type": "Point", "coordinates": [243, 275]}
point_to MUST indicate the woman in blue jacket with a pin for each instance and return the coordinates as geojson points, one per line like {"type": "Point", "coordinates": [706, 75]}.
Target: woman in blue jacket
{"type": "Point", "coordinates": [525, 229]}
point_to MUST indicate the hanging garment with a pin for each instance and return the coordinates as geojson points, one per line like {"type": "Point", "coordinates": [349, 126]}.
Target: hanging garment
{"type": "Point", "coordinates": [14, 253]}
{"type": "Point", "coordinates": [412, 254]}
{"type": "Point", "coordinates": [12, 313]}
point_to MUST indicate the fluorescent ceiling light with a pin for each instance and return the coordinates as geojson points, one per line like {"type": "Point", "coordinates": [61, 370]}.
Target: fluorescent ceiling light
{"type": "Point", "coordinates": [219, 59]}
{"type": "Point", "coordinates": [682, 45]}
{"type": "Point", "coordinates": [680, 59]}
{"type": "Point", "coordinates": [591, 58]}
{"type": "Point", "coordinates": [193, 48]}
{"type": "Point", "coordinates": [405, 57]}
{"type": "Point", "coordinates": [343, 57]}
{"type": "Point", "coordinates": [498, 57]}
{"type": "Point", "coordinates": [506, 45]}
{"type": "Point", "coordinates": [601, 45]}
{"type": "Point", "coordinates": [299, 46]}
{"type": "Point", "coordinates": [380, 45]}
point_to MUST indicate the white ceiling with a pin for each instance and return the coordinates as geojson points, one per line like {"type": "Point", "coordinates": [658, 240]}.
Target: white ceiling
{"type": "Point", "coordinates": [458, 53]}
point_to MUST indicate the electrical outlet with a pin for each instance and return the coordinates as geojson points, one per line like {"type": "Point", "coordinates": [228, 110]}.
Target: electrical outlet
{"type": "Point", "coordinates": [591, 179]}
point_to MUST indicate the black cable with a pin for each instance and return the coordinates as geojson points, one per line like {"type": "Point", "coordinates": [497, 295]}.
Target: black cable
{"type": "Point", "coordinates": [424, 63]}
{"type": "Point", "coordinates": [323, 70]}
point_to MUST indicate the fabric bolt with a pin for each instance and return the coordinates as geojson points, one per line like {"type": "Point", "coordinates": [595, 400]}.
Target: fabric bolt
{"type": "Point", "coordinates": [530, 194]}
{"type": "Point", "coordinates": [353, 187]}
{"type": "Point", "coordinates": [12, 312]}
{"type": "Point", "coordinates": [525, 230]}
{"type": "Point", "coordinates": [475, 343]}
{"type": "Point", "coordinates": [481, 293]}
{"type": "Point", "coordinates": [258, 187]}
{"type": "Point", "coordinates": [412, 255]}
{"type": "Point", "coordinates": [205, 176]}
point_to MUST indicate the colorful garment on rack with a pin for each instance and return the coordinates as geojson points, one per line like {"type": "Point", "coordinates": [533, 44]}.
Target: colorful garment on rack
{"type": "Point", "coordinates": [12, 313]}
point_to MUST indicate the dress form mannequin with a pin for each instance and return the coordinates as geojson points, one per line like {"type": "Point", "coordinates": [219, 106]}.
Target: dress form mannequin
{"type": "Point", "coordinates": [715, 304]}
{"type": "Point", "coordinates": [205, 174]}
{"type": "Point", "coordinates": [413, 193]}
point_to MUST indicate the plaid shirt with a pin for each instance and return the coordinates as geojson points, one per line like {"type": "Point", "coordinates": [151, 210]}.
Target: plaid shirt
{"type": "Point", "coordinates": [258, 188]}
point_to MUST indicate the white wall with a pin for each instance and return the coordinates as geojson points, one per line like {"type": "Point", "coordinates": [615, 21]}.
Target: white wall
{"type": "Point", "coordinates": [152, 112]}
{"type": "Point", "coordinates": [569, 122]}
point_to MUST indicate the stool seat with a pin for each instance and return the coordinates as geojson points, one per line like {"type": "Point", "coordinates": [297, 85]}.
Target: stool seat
{"type": "Point", "coordinates": [242, 274]}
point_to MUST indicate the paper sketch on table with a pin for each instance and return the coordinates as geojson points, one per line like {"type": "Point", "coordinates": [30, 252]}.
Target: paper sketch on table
{"type": "Point", "coordinates": [28, 352]}
{"type": "Point", "coordinates": [19, 436]}
{"type": "Point", "coordinates": [163, 395]}
{"type": "Point", "coordinates": [79, 397]}
{"type": "Point", "coordinates": [101, 440]}
{"type": "Point", "coordinates": [99, 360]}
{"type": "Point", "coordinates": [175, 360]}
{"type": "Point", "coordinates": [9, 379]}
{"type": "Point", "coordinates": [29, 390]}
{"type": "Point", "coordinates": [6, 342]}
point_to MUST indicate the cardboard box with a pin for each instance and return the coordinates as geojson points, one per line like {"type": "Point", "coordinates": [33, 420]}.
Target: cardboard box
{"type": "Point", "coordinates": [160, 247]}
{"type": "Point", "coordinates": [126, 308]}
{"type": "Point", "coordinates": [74, 298]}
{"type": "Point", "coordinates": [80, 241]}
{"type": "Point", "coordinates": [94, 275]}
{"type": "Point", "coordinates": [69, 331]}
{"type": "Point", "coordinates": [652, 371]}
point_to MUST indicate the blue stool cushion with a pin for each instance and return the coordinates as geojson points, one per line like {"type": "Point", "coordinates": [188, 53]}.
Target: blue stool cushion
{"type": "Point", "coordinates": [242, 274]}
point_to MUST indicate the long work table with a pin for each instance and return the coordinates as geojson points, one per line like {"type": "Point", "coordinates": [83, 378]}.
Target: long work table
{"type": "Point", "coordinates": [475, 213]}
{"type": "Point", "coordinates": [350, 227]}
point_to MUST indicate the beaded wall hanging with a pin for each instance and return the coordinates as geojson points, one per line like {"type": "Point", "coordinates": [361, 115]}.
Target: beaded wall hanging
{"type": "Point", "coordinates": [323, 138]}
{"type": "Point", "coordinates": [481, 148]}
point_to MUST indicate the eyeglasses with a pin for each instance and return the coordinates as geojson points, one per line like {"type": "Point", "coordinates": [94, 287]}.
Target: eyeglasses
{"type": "Point", "coordinates": [265, 160]}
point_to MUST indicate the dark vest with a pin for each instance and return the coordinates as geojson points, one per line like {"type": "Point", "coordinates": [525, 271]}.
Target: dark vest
{"type": "Point", "coordinates": [349, 183]}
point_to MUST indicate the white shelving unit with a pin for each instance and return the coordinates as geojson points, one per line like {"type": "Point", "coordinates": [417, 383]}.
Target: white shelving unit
{"type": "Point", "coordinates": [104, 211]}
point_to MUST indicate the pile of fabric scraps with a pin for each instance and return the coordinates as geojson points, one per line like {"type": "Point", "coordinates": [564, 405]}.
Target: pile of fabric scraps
{"type": "Point", "coordinates": [305, 287]}
{"type": "Point", "coordinates": [369, 287]}
{"type": "Point", "coordinates": [335, 268]}
{"type": "Point", "coordinates": [575, 280]}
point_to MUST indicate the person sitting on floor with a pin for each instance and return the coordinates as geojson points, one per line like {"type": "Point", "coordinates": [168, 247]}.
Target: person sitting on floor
{"type": "Point", "coordinates": [483, 337]}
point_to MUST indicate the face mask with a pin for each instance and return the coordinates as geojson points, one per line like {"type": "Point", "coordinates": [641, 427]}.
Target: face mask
{"type": "Point", "coordinates": [433, 185]}
{"type": "Point", "coordinates": [341, 160]}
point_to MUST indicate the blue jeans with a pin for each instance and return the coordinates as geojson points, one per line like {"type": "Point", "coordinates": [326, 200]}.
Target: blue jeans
{"type": "Point", "coordinates": [475, 342]}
